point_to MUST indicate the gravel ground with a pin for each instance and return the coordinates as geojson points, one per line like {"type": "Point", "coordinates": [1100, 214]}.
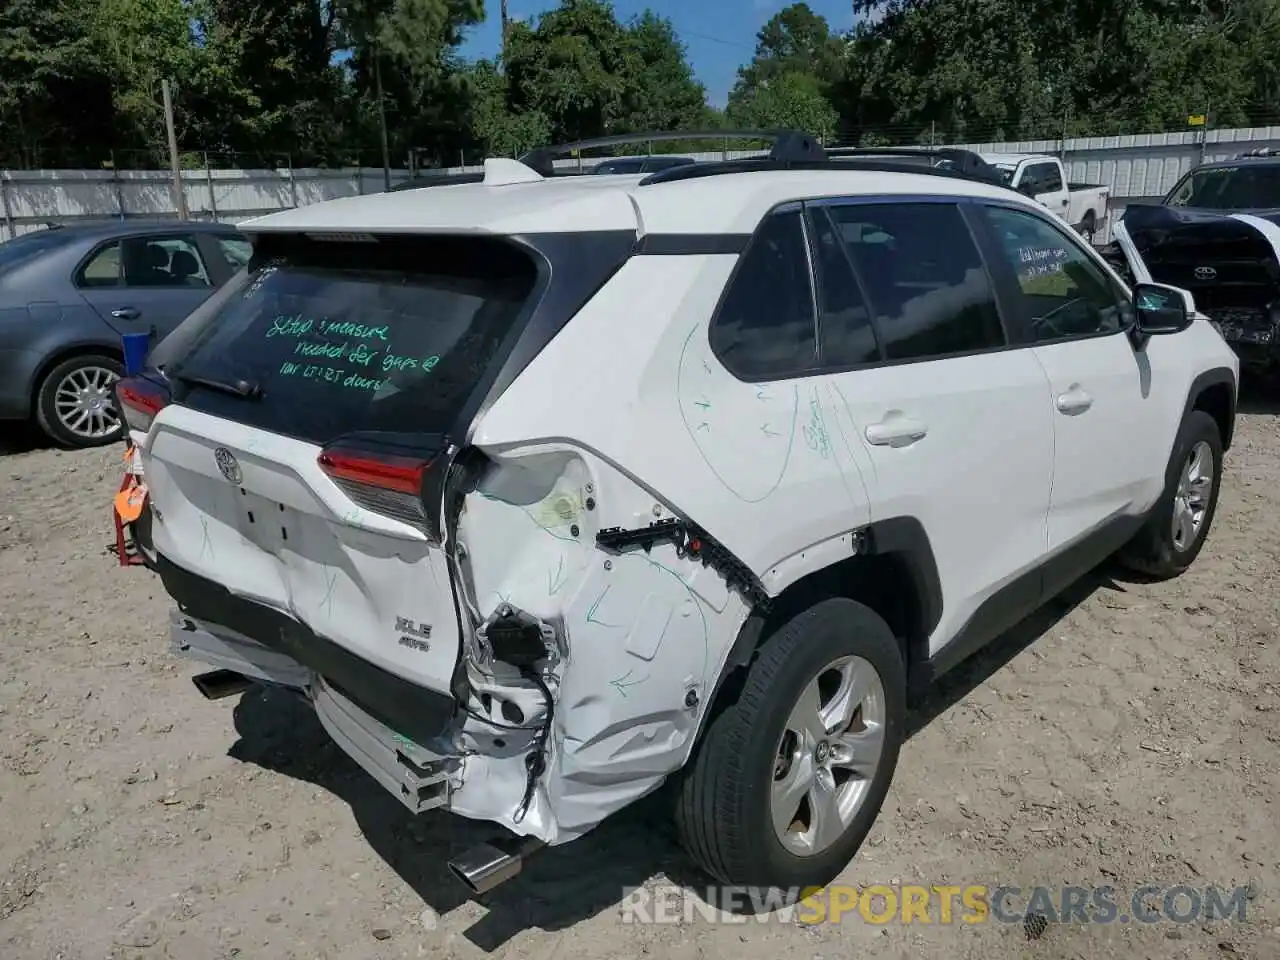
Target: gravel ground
{"type": "Point", "coordinates": [1125, 735]}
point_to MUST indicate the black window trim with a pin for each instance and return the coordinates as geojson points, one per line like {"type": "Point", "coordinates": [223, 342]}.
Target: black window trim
{"type": "Point", "coordinates": [1013, 292]}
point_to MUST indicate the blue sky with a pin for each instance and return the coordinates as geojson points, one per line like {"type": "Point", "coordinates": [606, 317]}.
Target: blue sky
{"type": "Point", "coordinates": [719, 35]}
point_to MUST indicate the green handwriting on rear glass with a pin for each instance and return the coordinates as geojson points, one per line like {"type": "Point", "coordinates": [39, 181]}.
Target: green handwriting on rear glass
{"type": "Point", "coordinates": [300, 326]}
{"type": "Point", "coordinates": [338, 376]}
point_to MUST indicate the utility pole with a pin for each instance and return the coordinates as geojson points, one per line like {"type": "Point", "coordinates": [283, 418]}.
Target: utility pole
{"type": "Point", "coordinates": [382, 118]}
{"type": "Point", "coordinates": [506, 27]}
{"type": "Point", "coordinates": [179, 194]}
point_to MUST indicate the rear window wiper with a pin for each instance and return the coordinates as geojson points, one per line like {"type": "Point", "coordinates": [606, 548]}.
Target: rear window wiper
{"type": "Point", "coordinates": [238, 388]}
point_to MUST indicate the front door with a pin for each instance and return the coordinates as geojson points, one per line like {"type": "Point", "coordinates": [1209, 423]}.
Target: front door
{"type": "Point", "coordinates": [1108, 461]}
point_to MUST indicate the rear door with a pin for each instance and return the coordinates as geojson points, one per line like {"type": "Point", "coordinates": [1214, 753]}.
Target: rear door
{"type": "Point", "coordinates": [953, 416]}
{"type": "Point", "coordinates": [310, 412]}
{"type": "Point", "coordinates": [147, 283]}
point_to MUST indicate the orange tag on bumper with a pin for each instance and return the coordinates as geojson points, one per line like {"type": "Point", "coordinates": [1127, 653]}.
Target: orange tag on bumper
{"type": "Point", "coordinates": [129, 503]}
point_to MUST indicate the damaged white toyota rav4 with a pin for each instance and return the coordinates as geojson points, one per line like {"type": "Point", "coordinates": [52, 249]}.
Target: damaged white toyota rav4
{"type": "Point", "coordinates": [546, 491]}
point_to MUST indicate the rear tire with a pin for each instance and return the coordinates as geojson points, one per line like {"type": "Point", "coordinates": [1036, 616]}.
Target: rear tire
{"type": "Point", "coordinates": [75, 404]}
{"type": "Point", "coordinates": [1177, 526]}
{"type": "Point", "coordinates": [734, 798]}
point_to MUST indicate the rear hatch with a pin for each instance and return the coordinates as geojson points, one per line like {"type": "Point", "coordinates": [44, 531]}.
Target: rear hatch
{"type": "Point", "coordinates": [294, 466]}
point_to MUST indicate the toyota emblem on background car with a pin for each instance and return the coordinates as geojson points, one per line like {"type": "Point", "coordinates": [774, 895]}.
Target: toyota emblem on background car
{"type": "Point", "coordinates": [1205, 273]}
{"type": "Point", "coordinates": [228, 464]}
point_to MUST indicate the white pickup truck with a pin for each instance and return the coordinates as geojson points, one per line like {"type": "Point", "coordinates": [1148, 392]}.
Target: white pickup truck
{"type": "Point", "coordinates": [1041, 176]}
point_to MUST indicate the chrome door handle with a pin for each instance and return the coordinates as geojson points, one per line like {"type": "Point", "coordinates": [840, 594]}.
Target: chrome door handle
{"type": "Point", "coordinates": [895, 432]}
{"type": "Point", "coordinates": [1074, 400]}
{"type": "Point", "coordinates": [126, 313]}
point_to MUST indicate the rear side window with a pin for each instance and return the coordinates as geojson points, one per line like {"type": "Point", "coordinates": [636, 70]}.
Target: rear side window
{"type": "Point", "coordinates": [1046, 177]}
{"type": "Point", "coordinates": [923, 280]}
{"type": "Point", "coordinates": [389, 334]}
{"type": "Point", "coordinates": [764, 329]}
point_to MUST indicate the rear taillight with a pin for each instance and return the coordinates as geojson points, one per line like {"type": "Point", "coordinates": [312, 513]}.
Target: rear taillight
{"type": "Point", "coordinates": [139, 401]}
{"type": "Point", "coordinates": [390, 484]}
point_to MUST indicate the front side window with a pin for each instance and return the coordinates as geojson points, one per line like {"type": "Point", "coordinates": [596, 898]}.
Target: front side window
{"type": "Point", "coordinates": [922, 277]}
{"type": "Point", "coordinates": [764, 329]}
{"type": "Point", "coordinates": [1063, 293]}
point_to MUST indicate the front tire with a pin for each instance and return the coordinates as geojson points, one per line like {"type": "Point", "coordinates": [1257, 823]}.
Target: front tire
{"type": "Point", "coordinates": [787, 780]}
{"type": "Point", "coordinates": [75, 405]}
{"type": "Point", "coordinates": [1176, 529]}
{"type": "Point", "coordinates": [1088, 227]}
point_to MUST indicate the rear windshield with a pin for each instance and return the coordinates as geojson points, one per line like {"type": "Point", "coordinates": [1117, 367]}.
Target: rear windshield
{"type": "Point", "coordinates": [1248, 186]}
{"type": "Point", "coordinates": [387, 334]}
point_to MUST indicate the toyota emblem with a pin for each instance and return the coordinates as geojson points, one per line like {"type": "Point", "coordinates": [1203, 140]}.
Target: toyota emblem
{"type": "Point", "coordinates": [1205, 273]}
{"type": "Point", "coordinates": [228, 464]}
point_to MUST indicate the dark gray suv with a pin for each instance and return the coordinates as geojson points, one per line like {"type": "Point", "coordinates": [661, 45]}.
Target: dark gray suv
{"type": "Point", "coordinates": [68, 293]}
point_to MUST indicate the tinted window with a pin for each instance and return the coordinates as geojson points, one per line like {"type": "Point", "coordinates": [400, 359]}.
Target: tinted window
{"type": "Point", "coordinates": [847, 335]}
{"type": "Point", "coordinates": [1048, 177]}
{"type": "Point", "coordinates": [764, 329]}
{"type": "Point", "coordinates": [922, 276]}
{"type": "Point", "coordinates": [388, 335]}
{"type": "Point", "coordinates": [103, 268]}
{"type": "Point", "coordinates": [162, 262]}
{"type": "Point", "coordinates": [1063, 292]}
{"type": "Point", "coordinates": [237, 250]}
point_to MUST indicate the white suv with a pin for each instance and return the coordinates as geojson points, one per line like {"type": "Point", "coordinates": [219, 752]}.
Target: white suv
{"type": "Point", "coordinates": [548, 490]}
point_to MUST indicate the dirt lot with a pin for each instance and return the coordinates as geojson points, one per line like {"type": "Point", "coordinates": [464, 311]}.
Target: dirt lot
{"type": "Point", "coordinates": [1127, 735]}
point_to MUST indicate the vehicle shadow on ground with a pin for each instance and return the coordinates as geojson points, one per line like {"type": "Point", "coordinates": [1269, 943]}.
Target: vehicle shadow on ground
{"type": "Point", "coordinates": [1259, 396]}
{"type": "Point", "coordinates": [560, 886]}
{"type": "Point", "coordinates": [20, 438]}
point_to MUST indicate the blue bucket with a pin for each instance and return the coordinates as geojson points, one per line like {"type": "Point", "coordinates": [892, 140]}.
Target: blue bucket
{"type": "Point", "coordinates": [136, 347]}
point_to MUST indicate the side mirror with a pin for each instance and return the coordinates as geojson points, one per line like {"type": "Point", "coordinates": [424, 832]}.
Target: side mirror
{"type": "Point", "coordinates": [1161, 309]}
{"type": "Point", "coordinates": [1028, 188]}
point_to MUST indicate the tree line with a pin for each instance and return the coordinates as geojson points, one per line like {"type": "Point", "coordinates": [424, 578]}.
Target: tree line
{"type": "Point", "coordinates": [335, 82]}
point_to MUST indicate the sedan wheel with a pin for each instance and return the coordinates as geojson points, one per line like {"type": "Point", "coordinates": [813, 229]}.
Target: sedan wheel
{"type": "Point", "coordinates": [76, 403]}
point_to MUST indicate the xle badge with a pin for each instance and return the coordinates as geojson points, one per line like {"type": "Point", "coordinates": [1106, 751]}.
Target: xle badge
{"type": "Point", "coordinates": [413, 635]}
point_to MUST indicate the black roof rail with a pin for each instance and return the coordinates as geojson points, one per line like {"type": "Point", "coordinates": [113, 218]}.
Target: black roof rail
{"type": "Point", "coordinates": [964, 161]}
{"type": "Point", "coordinates": [438, 180]}
{"type": "Point", "coordinates": [788, 145]}
{"type": "Point", "coordinates": [949, 162]}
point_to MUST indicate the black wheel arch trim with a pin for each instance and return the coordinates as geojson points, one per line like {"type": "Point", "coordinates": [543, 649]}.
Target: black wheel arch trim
{"type": "Point", "coordinates": [1215, 376]}
{"type": "Point", "coordinates": [902, 537]}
